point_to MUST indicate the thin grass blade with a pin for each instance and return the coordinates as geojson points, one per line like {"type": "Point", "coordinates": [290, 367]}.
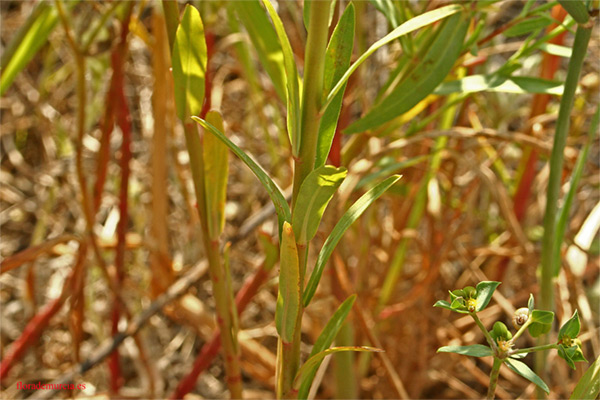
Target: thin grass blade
{"type": "Point", "coordinates": [340, 228]}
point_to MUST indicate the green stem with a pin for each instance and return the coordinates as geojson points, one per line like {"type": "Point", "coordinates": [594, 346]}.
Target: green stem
{"type": "Point", "coordinates": [582, 38]}
{"type": "Point", "coordinates": [487, 335]}
{"type": "Point", "coordinates": [533, 349]}
{"type": "Point", "coordinates": [522, 329]}
{"type": "Point", "coordinates": [225, 307]}
{"type": "Point", "coordinates": [494, 378]}
{"type": "Point", "coordinates": [314, 65]}
{"type": "Point", "coordinates": [312, 92]}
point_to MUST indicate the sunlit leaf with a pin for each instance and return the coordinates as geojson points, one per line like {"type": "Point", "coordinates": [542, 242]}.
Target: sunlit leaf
{"type": "Point", "coordinates": [315, 360]}
{"type": "Point", "coordinates": [216, 170]}
{"type": "Point", "coordinates": [337, 60]}
{"type": "Point", "coordinates": [288, 297]}
{"type": "Point", "coordinates": [338, 231]}
{"type": "Point", "coordinates": [325, 340]}
{"type": "Point", "coordinates": [485, 290]}
{"type": "Point", "coordinates": [189, 64]}
{"type": "Point", "coordinates": [474, 350]}
{"type": "Point", "coordinates": [315, 193]}
{"type": "Point", "coordinates": [281, 206]}
{"type": "Point", "coordinates": [588, 386]}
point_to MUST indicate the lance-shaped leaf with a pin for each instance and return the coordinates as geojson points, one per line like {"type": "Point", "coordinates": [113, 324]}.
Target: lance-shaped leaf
{"type": "Point", "coordinates": [409, 26]}
{"type": "Point", "coordinates": [292, 80]}
{"type": "Point", "coordinates": [338, 231]}
{"type": "Point", "coordinates": [588, 386]}
{"type": "Point", "coordinates": [288, 297]}
{"type": "Point", "coordinates": [189, 64]}
{"type": "Point", "coordinates": [337, 60]}
{"type": "Point", "coordinates": [501, 84]}
{"type": "Point", "coordinates": [522, 369]}
{"type": "Point", "coordinates": [303, 373]}
{"type": "Point", "coordinates": [26, 42]}
{"type": "Point", "coordinates": [281, 206]}
{"type": "Point", "coordinates": [264, 40]}
{"type": "Point", "coordinates": [423, 79]}
{"type": "Point", "coordinates": [485, 290]}
{"type": "Point", "coordinates": [474, 350]}
{"type": "Point", "coordinates": [325, 340]}
{"type": "Point", "coordinates": [216, 170]}
{"type": "Point", "coordinates": [315, 193]}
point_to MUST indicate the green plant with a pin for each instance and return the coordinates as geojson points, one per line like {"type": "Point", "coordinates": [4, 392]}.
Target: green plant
{"type": "Point", "coordinates": [501, 342]}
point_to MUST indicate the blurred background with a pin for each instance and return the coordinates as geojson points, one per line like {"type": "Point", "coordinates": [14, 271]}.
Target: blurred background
{"type": "Point", "coordinates": [468, 208]}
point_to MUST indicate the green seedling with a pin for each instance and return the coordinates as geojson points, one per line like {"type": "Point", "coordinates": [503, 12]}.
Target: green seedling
{"type": "Point", "coordinates": [502, 342]}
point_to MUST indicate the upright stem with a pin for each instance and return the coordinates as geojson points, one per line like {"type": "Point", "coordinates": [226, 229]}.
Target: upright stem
{"type": "Point", "coordinates": [582, 37]}
{"type": "Point", "coordinates": [494, 378]}
{"type": "Point", "coordinates": [312, 93]}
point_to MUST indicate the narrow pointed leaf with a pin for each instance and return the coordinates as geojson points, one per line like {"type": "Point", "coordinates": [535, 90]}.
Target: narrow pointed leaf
{"type": "Point", "coordinates": [424, 78]}
{"type": "Point", "coordinates": [588, 386]}
{"type": "Point", "coordinates": [291, 78]}
{"type": "Point", "coordinates": [338, 231]}
{"type": "Point", "coordinates": [315, 193]}
{"type": "Point", "coordinates": [216, 170]}
{"type": "Point", "coordinates": [264, 40]}
{"type": "Point", "coordinates": [288, 298]}
{"type": "Point", "coordinates": [26, 42]}
{"type": "Point", "coordinates": [409, 26]}
{"type": "Point", "coordinates": [500, 84]}
{"type": "Point", "coordinates": [530, 303]}
{"type": "Point", "coordinates": [522, 369]}
{"type": "Point", "coordinates": [281, 206]}
{"type": "Point", "coordinates": [485, 290]}
{"type": "Point", "coordinates": [337, 61]}
{"type": "Point", "coordinates": [528, 26]}
{"type": "Point", "coordinates": [303, 373]}
{"type": "Point", "coordinates": [325, 340]}
{"type": "Point", "coordinates": [189, 64]}
{"type": "Point", "coordinates": [443, 304]}
{"type": "Point", "coordinates": [474, 350]}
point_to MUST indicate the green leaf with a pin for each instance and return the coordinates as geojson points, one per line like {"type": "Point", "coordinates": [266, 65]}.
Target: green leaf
{"type": "Point", "coordinates": [292, 80]}
{"type": "Point", "coordinates": [409, 26]}
{"type": "Point", "coordinates": [485, 290]}
{"type": "Point", "coordinates": [500, 84]}
{"type": "Point", "coordinates": [216, 170]}
{"type": "Point", "coordinates": [474, 350]}
{"type": "Point", "coordinates": [288, 297]}
{"type": "Point", "coordinates": [542, 317]}
{"type": "Point", "coordinates": [522, 369]}
{"type": "Point", "coordinates": [281, 206]}
{"type": "Point", "coordinates": [315, 360]}
{"type": "Point", "coordinates": [171, 11]}
{"type": "Point", "coordinates": [325, 340]}
{"type": "Point", "coordinates": [443, 304]}
{"type": "Point", "coordinates": [562, 353]}
{"type": "Point", "coordinates": [528, 26]}
{"type": "Point", "coordinates": [588, 386]}
{"type": "Point", "coordinates": [26, 42]}
{"type": "Point", "coordinates": [189, 64]}
{"type": "Point", "coordinates": [423, 79]}
{"type": "Point", "coordinates": [530, 303]}
{"type": "Point", "coordinates": [337, 60]}
{"type": "Point", "coordinates": [315, 193]}
{"type": "Point", "coordinates": [338, 231]}
{"type": "Point", "coordinates": [541, 322]}
{"type": "Point", "coordinates": [571, 328]}
{"type": "Point", "coordinates": [264, 40]}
